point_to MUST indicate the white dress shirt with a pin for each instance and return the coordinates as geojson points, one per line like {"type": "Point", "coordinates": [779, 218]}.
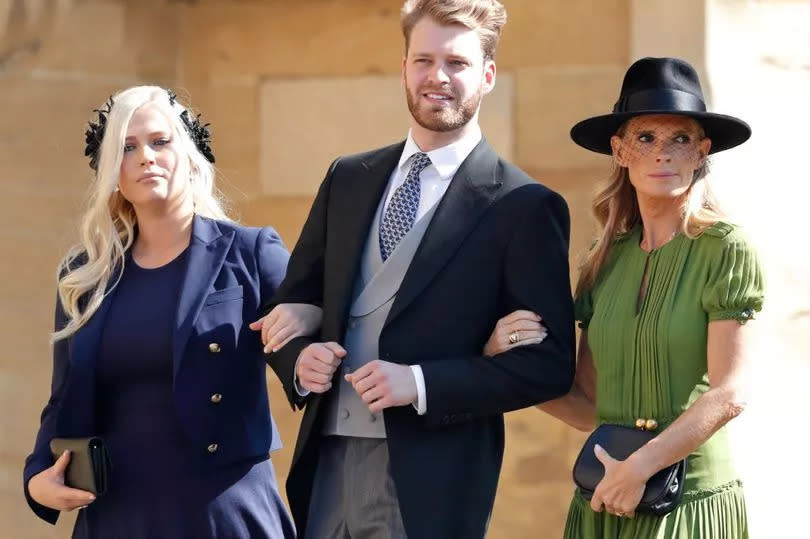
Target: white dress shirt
{"type": "Point", "coordinates": [433, 183]}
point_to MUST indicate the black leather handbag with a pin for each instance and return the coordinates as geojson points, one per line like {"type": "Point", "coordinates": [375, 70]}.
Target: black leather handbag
{"type": "Point", "coordinates": [664, 490]}
{"type": "Point", "coordinates": [89, 466]}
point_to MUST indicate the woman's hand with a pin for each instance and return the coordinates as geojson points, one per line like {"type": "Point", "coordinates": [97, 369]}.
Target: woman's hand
{"type": "Point", "coordinates": [524, 327]}
{"type": "Point", "coordinates": [622, 487]}
{"type": "Point", "coordinates": [48, 488]}
{"type": "Point", "coordinates": [287, 321]}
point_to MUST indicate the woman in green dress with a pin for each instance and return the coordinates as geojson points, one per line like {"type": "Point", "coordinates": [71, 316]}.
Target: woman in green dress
{"type": "Point", "coordinates": [663, 300]}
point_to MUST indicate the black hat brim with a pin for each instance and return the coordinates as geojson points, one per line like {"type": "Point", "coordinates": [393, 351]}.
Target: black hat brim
{"type": "Point", "coordinates": [724, 131]}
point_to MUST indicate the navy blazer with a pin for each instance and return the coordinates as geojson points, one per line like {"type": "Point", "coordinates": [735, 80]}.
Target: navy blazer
{"type": "Point", "coordinates": [231, 270]}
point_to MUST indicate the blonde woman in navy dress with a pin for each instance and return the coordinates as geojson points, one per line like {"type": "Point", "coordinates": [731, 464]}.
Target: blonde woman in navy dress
{"type": "Point", "coordinates": [152, 345]}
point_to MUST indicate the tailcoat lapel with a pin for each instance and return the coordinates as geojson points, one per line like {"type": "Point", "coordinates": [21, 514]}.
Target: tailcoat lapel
{"type": "Point", "coordinates": [351, 212]}
{"type": "Point", "coordinates": [472, 190]}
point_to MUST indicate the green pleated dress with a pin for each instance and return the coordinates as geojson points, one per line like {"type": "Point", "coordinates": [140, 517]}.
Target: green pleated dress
{"type": "Point", "coordinates": [651, 362]}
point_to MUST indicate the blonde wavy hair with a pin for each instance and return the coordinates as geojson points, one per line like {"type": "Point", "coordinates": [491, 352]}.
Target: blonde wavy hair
{"type": "Point", "coordinates": [615, 208]}
{"type": "Point", "coordinates": [92, 268]}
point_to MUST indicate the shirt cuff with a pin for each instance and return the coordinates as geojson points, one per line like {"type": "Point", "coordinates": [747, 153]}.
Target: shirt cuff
{"type": "Point", "coordinates": [421, 398]}
{"type": "Point", "coordinates": [298, 389]}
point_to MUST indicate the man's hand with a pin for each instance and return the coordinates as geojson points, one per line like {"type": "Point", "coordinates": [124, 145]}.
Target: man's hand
{"type": "Point", "coordinates": [316, 364]}
{"type": "Point", "coordinates": [382, 384]}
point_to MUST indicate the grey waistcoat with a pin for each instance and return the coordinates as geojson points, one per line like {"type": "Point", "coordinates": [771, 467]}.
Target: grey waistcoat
{"type": "Point", "coordinates": [375, 290]}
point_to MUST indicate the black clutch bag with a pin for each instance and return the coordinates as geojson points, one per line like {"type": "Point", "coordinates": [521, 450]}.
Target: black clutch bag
{"type": "Point", "coordinates": [664, 490]}
{"type": "Point", "coordinates": [89, 466]}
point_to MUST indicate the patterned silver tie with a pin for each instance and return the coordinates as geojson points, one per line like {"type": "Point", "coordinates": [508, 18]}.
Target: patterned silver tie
{"type": "Point", "coordinates": [401, 212]}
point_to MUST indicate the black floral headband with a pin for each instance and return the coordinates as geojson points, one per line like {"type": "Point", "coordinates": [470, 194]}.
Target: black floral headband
{"type": "Point", "coordinates": [198, 132]}
{"type": "Point", "coordinates": [95, 133]}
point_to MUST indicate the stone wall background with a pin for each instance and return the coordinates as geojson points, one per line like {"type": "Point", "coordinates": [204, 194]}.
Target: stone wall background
{"type": "Point", "coordinates": [288, 85]}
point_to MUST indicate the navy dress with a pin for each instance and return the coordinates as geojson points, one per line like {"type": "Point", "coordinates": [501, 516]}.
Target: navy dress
{"type": "Point", "coordinates": [156, 490]}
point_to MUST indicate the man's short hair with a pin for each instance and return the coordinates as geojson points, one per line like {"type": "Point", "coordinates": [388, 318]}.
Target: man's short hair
{"type": "Point", "coordinates": [486, 17]}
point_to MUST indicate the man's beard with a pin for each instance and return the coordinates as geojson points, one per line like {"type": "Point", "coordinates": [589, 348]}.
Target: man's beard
{"type": "Point", "coordinates": [443, 118]}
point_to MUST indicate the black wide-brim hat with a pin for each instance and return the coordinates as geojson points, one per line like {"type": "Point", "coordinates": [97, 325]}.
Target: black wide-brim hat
{"type": "Point", "coordinates": [660, 86]}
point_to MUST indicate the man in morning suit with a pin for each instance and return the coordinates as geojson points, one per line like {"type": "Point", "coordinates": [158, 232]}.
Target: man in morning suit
{"type": "Point", "coordinates": [414, 251]}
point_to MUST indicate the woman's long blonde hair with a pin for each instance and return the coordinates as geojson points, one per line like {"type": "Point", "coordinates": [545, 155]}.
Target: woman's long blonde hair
{"type": "Point", "coordinates": [615, 208]}
{"type": "Point", "coordinates": [92, 268]}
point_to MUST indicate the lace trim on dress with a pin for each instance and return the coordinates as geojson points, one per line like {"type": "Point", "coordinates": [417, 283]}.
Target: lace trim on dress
{"type": "Point", "coordinates": [700, 494]}
{"type": "Point", "coordinates": [740, 315]}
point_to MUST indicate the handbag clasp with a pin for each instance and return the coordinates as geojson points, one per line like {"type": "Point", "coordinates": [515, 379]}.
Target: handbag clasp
{"type": "Point", "coordinates": [646, 424]}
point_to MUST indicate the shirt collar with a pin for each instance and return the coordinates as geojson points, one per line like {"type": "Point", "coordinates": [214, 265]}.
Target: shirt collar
{"type": "Point", "coordinates": [446, 159]}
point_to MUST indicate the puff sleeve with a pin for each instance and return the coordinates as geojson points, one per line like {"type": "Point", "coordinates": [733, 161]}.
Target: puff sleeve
{"type": "Point", "coordinates": [735, 286]}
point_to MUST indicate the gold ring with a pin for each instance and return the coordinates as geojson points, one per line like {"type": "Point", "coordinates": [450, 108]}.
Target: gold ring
{"type": "Point", "coordinates": [514, 337]}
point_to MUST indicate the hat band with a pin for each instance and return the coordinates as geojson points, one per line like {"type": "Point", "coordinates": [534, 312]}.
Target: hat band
{"type": "Point", "coordinates": [658, 100]}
